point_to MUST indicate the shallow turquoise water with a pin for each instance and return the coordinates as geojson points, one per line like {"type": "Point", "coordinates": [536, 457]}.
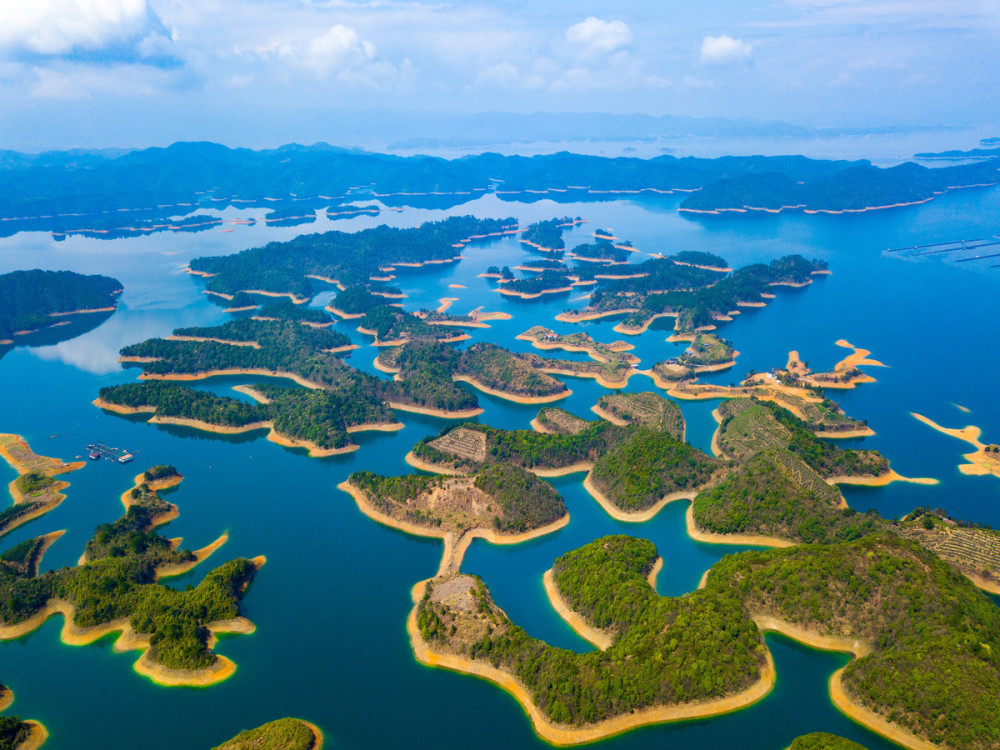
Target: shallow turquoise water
{"type": "Point", "coordinates": [330, 605]}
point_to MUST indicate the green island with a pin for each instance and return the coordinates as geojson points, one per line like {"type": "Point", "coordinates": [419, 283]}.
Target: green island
{"type": "Point", "coordinates": [320, 420]}
{"type": "Point", "coordinates": [533, 287]}
{"type": "Point", "coordinates": [556, 421]}
{"type": "Point", "coordinates": [286, 268]}
{"type": "Point", "coordinates": [547, 236]}
{"type": "Point", "coordinates": [502, 503]}
{"type": "Point", "coordinates": [860, 187]}
{"type": "Point", "coordinates": [633, 470]}
{"type": "Point", "coordinates": [925, 639]}
{"type": "Point", "coordinates": [645, 408]}
{"type": "Point", "coordinates": [282, 734]}
{"type": "Point", "coordinates": [16, 734]}
{"type": "Point", "coordinates": [823, 741]}
{"type": "Point", "coordinates": [429, 367]}
{"type": "Point", "coordinates": [392, 326]}
{"type": "Point", "coordinates": [707, 352]}
{"type": "Point", "coordinates": [696, 294]}
{"type": "Point", "coordinates": [115, 588]}
{"type": "Point", "coordinates": [32, 301]}
{"type": "Point", "coordinates": [601, 251]}
{"type": "Point", "coordinates": [35, 491]}
{"type": "Point", "coordinates": [749, 424]}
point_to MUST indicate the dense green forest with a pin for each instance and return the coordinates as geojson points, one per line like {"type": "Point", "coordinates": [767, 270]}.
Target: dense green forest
{"type": "Point", "coordinates": [545, 281]}
{"type": "Point", "coordinates": [646, 466]}
{"type": "Point", "coordinates": [317, 416]}
{"type": "Point", "coordinates": [634, 466]}
{"type": "Point", "coordinates": [853, 188]}
{"type": "Point", "coordinates": [935, 637]}
{"type": "Point", "coordinates": [119, 581]}
{"type": "Point", "coordinates": [777, 495]}
{"type": "Point", "coordinates": [526, 448]}
{"type": "Point", "coordinates": [282, 346]}
{"type": "Point", "coordinates": [425, 370]}
{"type": "Point", "coordinates": [13, 732]}
{"type": "Point", "coordinates": [665, 651]}
{"type": "Point", "coordinates": [285, 309]}
{"type": "Point", "coordinates": [159, 472]}
{"type": "Point", "coordinates": [823, 741]}
{"type": "Point", "coordinates": [283, 734]}
{"type": "Point", "coordinates": [29, 298]}
{"type": "Point", "coordinates": [132, 534]}
{"type": "Point", "coordinates": [388, 323]}
{"type": "Point", "coordinates": [503, 370]}
{"type": "Point", "coordinates": [350, 257]}
{"type": "Point", "coordinates": [699, 258]}
{"type": "Point", "coordinates": [601, 250]}
{"type": "Point", "coordinates": [548, 234]}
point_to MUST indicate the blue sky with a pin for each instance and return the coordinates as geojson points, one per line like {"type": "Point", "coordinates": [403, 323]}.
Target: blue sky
{"type": "Point", "coordinates": [263, 72]}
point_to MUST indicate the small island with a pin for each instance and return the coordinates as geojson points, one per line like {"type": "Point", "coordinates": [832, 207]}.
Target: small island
{"type": "Point", "coordinates": [115, 588]}
{"type": "Point", "coordinates": [35, 491]}
{"type": "Point", "coordinates": [34, 301]}
{"type": "Point", "coordinates": [282, 734]}
{"type": "Point", "coordinates": [346, 257]}
{"type": "Point", "coordinates": [456, 625]}
{"type": "Point", "coordinates": [502, 503]}
{"type": "Point", "coordinates": [696, 293]}
{"type": "Point", "coordinates": [823, 741]}
{"type": "Point", "coordinates": [633, 471]}
{"type": "Point", "coordinates": [16, 734]}
{"type": "Point", "coordinates": [983, 461]}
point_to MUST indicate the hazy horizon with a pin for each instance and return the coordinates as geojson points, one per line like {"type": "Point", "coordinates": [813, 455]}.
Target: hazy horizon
{"type": "Point", "coordinates": [136, 73]}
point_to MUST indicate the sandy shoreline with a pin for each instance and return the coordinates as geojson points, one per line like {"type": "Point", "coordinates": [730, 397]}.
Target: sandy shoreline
{"type": "Point", "coordinates": [233, 371]}
{"type": "Point", "coordinates": [509, 396]}
{"type": "Point", "coordinates": [881, 480]}
{"type": "Point", "coordinates": [568, 735]}
{"type": "Point", "coordinates": [750, 540]}
{"type": "Point", "coordinates": [464, 414]}
{"type": "Point", "coordinates": [575, 317]}
{"type": "Point", "coordinates": [608, 416]}
{"type": "Point", "coordinates": [129, 640]}
{"type": "Point", "coordinates": [632, 331]}
{"type": "Point", "coordinates": [979, 463]}
{"type": "Point", "coordinates": [431, 468]}
{"type": "Point", "coordinates": [585, 630]}
{"type": "Point", "coordinates": [633, 516]}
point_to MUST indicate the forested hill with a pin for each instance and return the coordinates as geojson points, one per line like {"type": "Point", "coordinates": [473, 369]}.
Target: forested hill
{"type": "Point", "coordinates": [29, 299]}
{"type": "Point", "coordinates": [193, 175]}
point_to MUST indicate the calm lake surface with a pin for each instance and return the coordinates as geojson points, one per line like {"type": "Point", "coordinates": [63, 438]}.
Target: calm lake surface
{"type": "Point", "coordinates": [330, 604]}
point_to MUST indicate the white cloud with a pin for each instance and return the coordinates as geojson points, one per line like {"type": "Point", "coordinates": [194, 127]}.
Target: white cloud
{"type": "Point", "coordinates": [339, 48]}
{"type": "Point", "coordinates": [724, 50]}
{"type": "Point", "coordinates": [59, 27]}
{"type": "Point", "coordinates": [595, 36]}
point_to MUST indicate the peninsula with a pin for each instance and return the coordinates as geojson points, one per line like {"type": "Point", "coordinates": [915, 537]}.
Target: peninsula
{"type": "Point", "coordinates": [456, 625]}
{"type": "Point", "coordinates": [36, 491]}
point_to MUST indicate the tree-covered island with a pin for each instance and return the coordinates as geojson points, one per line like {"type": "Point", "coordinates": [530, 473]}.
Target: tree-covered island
{"type": "Point", "coordinates": [115, 588]}
{"type": "Point", "coordinates": [907, 617]}
{"type": "Point", "coordinates": [33, 301]}
{"type": "Point", "coordinates": [287, 268]}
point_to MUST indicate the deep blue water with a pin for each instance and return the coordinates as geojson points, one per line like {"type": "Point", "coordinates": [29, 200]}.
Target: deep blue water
{"type": "Point", "coordinates": [331, 603]}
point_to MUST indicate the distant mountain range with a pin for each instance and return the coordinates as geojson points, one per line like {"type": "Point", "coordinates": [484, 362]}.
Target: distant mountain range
{"type": "Point", "coordinates": [56, 191]}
